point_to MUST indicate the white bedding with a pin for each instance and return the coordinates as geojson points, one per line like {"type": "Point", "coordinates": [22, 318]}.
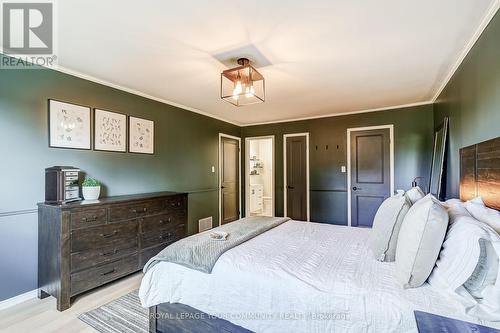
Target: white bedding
{"type": "Point", "coordinates": [300, 277]}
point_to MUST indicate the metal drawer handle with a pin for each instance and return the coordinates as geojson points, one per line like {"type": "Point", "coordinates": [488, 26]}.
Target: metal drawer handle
{"type": "Point", "coordinates": [108, 253]}
{"type": "Point", "coordinates": [109, 235]}
{"type": "Point", "coordinates": [108, 272]}
{"type": "Point", "coordinates": [167, 236]}
{"type": "Point", "coordinates": [92, 219]}
{"type": "Point", "coordinates": [182, 225]}
{"type": "Point", "coordinates": [168, 220]}
{"type": "Point", "coordinates": [135, 211]}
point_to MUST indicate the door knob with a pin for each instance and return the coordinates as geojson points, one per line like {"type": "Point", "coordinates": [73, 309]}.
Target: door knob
{"type": "Point", "coordinates": [356, 188]}
{"type": "Point", "coordinates": [290, 187]}
{"type": "Point", "coordinates": [222, 187]}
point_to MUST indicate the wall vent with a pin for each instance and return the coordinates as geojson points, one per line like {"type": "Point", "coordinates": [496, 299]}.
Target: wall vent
{"type": "Point", "coordinates": [205, 224]}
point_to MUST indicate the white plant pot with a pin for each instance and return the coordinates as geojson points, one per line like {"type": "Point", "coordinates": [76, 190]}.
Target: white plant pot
{"type": "Point", "coordinates": [91, 192]}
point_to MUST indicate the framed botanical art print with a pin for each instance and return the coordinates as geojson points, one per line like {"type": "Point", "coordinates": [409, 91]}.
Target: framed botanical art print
{"type": "Point", "coordinates": [110, 131]}
{"type": "Point", "coordinates": [69, 125]}
{"type": "Point", "coordinates": [141, 137]}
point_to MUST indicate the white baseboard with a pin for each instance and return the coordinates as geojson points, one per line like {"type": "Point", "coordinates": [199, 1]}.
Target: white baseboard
{"type": "Point", "coordinates": [18, 299]}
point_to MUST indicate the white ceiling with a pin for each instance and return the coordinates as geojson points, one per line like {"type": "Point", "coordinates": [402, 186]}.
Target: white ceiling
{"type": "Point", "coordinates": [320, 57]}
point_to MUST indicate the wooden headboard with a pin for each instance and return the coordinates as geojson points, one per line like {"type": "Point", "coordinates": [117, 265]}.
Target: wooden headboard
{"type": "Point", "coordinates": [480, 172]}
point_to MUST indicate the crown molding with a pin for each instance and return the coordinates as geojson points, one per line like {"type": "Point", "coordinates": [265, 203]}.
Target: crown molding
{"type": "Point", "coordinates": [91, 78]}
{"type": "Point", "coordinates": [484, 23]}
{"type": "Point", "coordinates": [402, 106]}
{"type": "Point", "coordinates": [468, 47]}
{"type": "Point", "coordinates": [94, 79]}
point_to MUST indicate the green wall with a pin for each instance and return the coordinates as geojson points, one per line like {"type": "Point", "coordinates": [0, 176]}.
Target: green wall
{"type": "Point", "coordinates": [413, 131]}
{"type": "Point", "coordinates": [472, 101]}
{"type": "Point", "coordinates": [186, 146]}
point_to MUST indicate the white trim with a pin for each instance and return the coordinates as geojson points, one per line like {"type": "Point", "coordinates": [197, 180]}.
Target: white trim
{"type": "Point", "coordinates": [94, 79]}
{"type": "Point", "coordinates": [306, 134]}
{"type": "Point", "coordinates": [402, 106]}
{"type": "Point", "coordinates": [391, 162]}
{"type": "Point", "coordinates": [188, 108]}
{"type": "Point", "coordinates": [10, 302]}
{"type": "Point", "coordinates": [468, 47]}
{"type": "Point", "coordinates": [139, 93]}
{"type": "Point", "coordinates": [221, 135]}
{"type": "Point", "coordinates": [482, 26]}
{"type": "Point", "coordinates": [247, 174]}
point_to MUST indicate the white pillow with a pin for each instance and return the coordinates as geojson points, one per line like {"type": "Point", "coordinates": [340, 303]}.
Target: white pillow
{"type": "Point", "coordinates": [468, 267]}
{"type": "Point", "coordinates": [456, 209]}
{"type": "Point", "coordinates": [460, 253]}
{"type": "Point", "coordinates": [486, 271]}
{"type": "Point", "coordinates": [419, 241]}
{"type": "Point", "coordinates": [477, 208]}
{"type": "Point", "coordinates": [414, 194]}
{"type": "Point", "coordinates": [386, 225]}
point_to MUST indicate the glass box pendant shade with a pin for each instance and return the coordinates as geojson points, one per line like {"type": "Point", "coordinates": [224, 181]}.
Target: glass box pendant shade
{"type": "Point", "coordinates": [242, 85]}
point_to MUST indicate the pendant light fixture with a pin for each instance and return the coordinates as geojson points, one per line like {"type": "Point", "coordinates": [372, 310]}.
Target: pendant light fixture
{"type": "Point", "coordinates": [242, 85]}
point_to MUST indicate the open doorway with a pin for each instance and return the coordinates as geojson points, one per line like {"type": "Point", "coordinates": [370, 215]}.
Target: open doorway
{"type": "Point", "coordinates": [259, 159]}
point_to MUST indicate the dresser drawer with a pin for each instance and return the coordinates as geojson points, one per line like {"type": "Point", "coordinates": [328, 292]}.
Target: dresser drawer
{"type": "Point", "coordinates": [161, 222]}
{"type": "Point", "coordinates": [151, 252]}
{"type": "Point", "coordinates": [135, 210]}
{"type": "Point", "coordinates": [164, 236]}
{"type": "Point", "coordinates": [103, 236]}
{"type": "Point", "coordinates": [94, 257]}
{"type": "Point", "coordinates": [88, 217]}
{"type": "Point", "coordinates": [96, 276]}
{"type": "Point", "coordinates": [175, 203]}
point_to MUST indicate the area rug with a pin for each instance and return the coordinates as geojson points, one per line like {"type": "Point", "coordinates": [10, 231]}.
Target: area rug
{"type": "Point", "coordinates": [126, 315]}
{"type": "Point", "coordinates": [123, 315]}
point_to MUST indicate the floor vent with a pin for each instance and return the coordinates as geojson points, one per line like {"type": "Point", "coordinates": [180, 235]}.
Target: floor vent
{"type": "Point", "coordinates": [205, 224]}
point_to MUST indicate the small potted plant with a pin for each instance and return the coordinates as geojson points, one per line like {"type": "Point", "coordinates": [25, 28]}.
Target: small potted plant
{"type": "Point", "coordinates": [91, 188]}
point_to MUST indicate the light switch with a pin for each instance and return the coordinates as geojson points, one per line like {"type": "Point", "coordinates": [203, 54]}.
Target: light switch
{"type": "Point", "coordinates": [213, 169]}
{"type": "Point", "coordinates": [342, 169]}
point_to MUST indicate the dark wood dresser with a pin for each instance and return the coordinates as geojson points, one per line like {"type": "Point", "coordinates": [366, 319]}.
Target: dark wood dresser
{"type": "Point", "coordinates": [84, 245]}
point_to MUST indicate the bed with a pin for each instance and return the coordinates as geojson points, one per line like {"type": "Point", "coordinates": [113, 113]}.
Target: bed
{"type": "Point", "coordinates": [304, 277]}
{"type": "Point", "coordinates": [329, 284]}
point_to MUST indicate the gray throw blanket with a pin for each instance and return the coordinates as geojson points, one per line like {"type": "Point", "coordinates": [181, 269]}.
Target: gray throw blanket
{"type": "Point", "coordinates": [201, 252]}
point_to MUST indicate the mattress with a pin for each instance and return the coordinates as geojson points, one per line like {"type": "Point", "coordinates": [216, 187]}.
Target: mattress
{"type": "Point", "coordinates": [301, 277]}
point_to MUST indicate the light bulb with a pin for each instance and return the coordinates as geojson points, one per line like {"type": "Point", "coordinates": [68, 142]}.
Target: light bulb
{"type": "Point", "coordinates": [249, 91]}
{"type": "Point", "coordinates": [238, 88]}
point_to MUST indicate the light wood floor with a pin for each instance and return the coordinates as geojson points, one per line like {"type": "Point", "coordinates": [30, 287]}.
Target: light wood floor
{"type": "Point", "coordinates": [41, 316]}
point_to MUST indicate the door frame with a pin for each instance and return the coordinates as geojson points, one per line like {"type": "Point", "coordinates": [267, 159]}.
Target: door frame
{"type": "Point", "coordinates": [391, 161]}
{"type": "Point", "coordinates": [247, 174]}
{"type": "Point", "coordinates": [306, 134]}
{"type": "Point", "coordinates": [219, 189]}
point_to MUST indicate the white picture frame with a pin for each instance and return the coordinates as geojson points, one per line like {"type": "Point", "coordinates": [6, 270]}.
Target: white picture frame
{"type": "Point", "coordinates": [69, 125]}
{"type": "Point", "coordinates": [141, 135]}
{"type": "Point", "coordinates": [110, 131]}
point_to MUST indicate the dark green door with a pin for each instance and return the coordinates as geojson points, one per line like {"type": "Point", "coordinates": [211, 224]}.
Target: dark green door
{"type": "Point", "coordinates": [230, 180]}
{"type": "Point", "coordinates": [296, 177]}
{"type": "Point", "coordinates": [370, 174]}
